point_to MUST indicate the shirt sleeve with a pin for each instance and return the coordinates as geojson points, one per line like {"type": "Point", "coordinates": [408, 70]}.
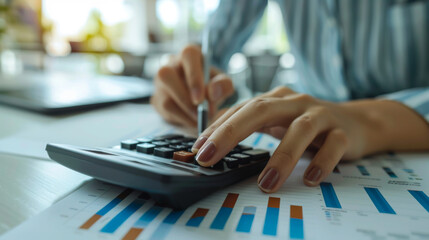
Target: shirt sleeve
{"type": "Point", "coordinates": [415, 98]}
{"type": "Point", "coordinates": [231, 25]}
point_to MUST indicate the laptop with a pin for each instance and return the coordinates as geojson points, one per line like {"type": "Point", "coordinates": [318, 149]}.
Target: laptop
{"type": "Point", "coordinates": [57, 93]}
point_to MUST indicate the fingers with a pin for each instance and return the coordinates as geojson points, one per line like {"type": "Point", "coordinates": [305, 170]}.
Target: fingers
{"type": "Point", "coordinates": [219, 89]}
{"type": "Point", "coordinates": [168, 80]}
{"type": "Point", "coordinates": [276, 93]}
{"type": "Point", "coordinates": [299, 136]}
{"type": "Point", "coordinates": [326, 158]}
{"type": "Point", "coordinates": [169, 110]}
{"type": "Point", "coordinates": [193, 68]}
{"type": "Point", "coordinates": [228, 134]}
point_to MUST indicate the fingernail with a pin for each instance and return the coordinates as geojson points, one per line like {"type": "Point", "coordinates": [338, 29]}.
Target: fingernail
{"type": "Point", "coordinates": [196, 93]}
{"type": "Point", "coordinates": [199, 143]}
{"type": "Point", "coordinates": [313, 175]}
{"type": "Point", "coordinates": [269, 180]}
{"type": "Point", "coordinates": [206, 153]}
{"type": "Point", "coordinates": [216, 93]}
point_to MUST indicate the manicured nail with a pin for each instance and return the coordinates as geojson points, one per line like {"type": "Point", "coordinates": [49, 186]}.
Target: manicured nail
{"type": "Point", "coordinates": [313, 175]}
{"type": "Point", "coordinates": [196, 93]}
{"type": "Point", "coordinates": [198, 144]}
{"type": "Point", "coordinates": [216, 93]}
{"type": "Point", "coordinates": [269, 180]}
{"type": "Point", "coordinates": [206, 153]}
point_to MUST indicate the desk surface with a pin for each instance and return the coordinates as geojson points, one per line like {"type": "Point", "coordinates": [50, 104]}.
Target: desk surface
{"type": "Point", "coordinates": [29, 185]}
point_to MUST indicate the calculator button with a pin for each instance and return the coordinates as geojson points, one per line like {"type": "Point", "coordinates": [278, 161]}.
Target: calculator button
{"type": "Point", "coordinates": [168, 137]}
{"type": "Point", "coordinates": [129, 144]}
{"type": "Point", "coordinates": [257, 154]}
{"type": "Point", "coordinates": [160, 144]}
{"type": "Point", "coordinates": [174, 141]}
{"type": "Point", "coordinates": [242, 148]}
{"type": "Point", "coordinates": [231, 162]}
{"type": "Point", "coordinates": [218, 165]}
{"type": "Point", "coordinates": [164, 152]}
{"type": "Point", "coordinates": [232, 152]}
{"type": "Point", "coordinates": [184, 156]}
{"type": "Point", "coordinates": [178, 147]}
{"type": "Point", "coordinates": [188, 139]}
{"type": "Point", "coordinates": [145, 148]}
{"type": "Point", "coordinates": [188, 144]}
{"type": "Point", "coordinates": [242, 158]}
{"type": "Point", "coordinates": [144, 140]}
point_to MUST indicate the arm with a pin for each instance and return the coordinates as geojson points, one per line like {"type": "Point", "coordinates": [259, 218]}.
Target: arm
{"type": "Point", "coordinates": [338, 131]}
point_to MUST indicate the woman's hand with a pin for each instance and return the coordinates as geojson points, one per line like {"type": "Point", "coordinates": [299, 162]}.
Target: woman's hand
{"type": "Point", "coordinates": [338, 131]}
{"type": "Point", "coordinates": [180, 88]}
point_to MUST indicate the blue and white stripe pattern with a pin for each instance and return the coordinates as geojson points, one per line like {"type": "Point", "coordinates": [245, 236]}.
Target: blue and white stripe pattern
{"type": "Point", "coordinates": [345, 49]}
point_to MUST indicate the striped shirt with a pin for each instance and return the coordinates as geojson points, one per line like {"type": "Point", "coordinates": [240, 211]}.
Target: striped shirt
{"type": "Point", "coordinates": [344, 49]}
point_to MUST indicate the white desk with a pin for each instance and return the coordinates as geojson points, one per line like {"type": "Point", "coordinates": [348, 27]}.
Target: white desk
{"type": "Point", "coordinates": [30, 185]}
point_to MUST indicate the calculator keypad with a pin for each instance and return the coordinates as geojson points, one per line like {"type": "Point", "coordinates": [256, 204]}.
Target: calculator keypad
{"type": "Point", "coordinates": [177, 147]}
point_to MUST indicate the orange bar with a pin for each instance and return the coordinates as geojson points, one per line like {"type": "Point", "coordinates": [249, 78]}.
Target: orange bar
{"type": "Point", "coordinates": [230, 200]}
{"type": "Point", "coordinates": [200, 212]}
{"type": "Point", "coordinates": [295, 212]}
{"type": "Point", "coordinates": [90, 221]}
{"type": "Point", "coordinates": [132, 234]}
{"type": "Point", "coordinates": [274, 202]}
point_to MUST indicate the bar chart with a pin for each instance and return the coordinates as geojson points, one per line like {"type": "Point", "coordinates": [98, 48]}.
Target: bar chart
{"type": "Point", "coordinates": [355, 196]}
{"type": "Point", "coordinates": [248, 219]}
{"type": "Point", "coordinates": [106, 209]}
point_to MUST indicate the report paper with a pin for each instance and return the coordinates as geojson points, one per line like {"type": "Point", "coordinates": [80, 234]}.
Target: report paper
{"type": "Point", "coordinates": [381, 197]}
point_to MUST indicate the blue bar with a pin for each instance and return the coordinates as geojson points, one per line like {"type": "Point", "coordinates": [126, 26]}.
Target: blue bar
{"type": "Point", "coordinates": [296, 230]}
{"type": "Point", "coordinates": [120, 218]}
{"type": "Point", "coordinates": [257, 140]}
{"type": "Point", "coordinates": [148, 217]}
{"type": "Point", "coordinates": [329, 195]}
{"type": "Point", "coordinates": [114, 202]}
{"type": "Point", "coordinates": [194, 222]}
{"type": "Point", "coordinates": [221, 218]}
{"type": "Point", "coordinates": [362, 170]}
{"type": "Point", "coordinates": [165, 227]}
{"type": "Point", "coordinates": [390, 172]}
{"type": "Point", "coordinates": [271, 220]}
{"type": "Point", "coordinates": [246, 220]}
{"type": "Point", "coordinates": [421, 197]}
{"type": "Point", "coordinates": [379, 201]}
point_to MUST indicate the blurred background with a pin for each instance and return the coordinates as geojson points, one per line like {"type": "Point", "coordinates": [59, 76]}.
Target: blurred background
{"type": "Point", "coordinates": [130, 37]}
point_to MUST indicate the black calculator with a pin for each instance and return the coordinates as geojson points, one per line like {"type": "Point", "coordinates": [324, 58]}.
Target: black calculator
{"type": "Point", "coordinates": [162, 166]}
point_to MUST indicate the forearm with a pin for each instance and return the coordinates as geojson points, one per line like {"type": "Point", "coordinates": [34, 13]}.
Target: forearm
{"type": "Point", "coordinates": [390, 126]}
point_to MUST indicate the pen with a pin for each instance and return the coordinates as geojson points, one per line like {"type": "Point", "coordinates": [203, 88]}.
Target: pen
{"type": "Point", "coordinates": [203, 107]}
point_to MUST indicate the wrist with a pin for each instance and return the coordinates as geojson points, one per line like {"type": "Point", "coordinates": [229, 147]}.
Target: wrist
{"type": "Point", "coordinates": [389, 126]}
